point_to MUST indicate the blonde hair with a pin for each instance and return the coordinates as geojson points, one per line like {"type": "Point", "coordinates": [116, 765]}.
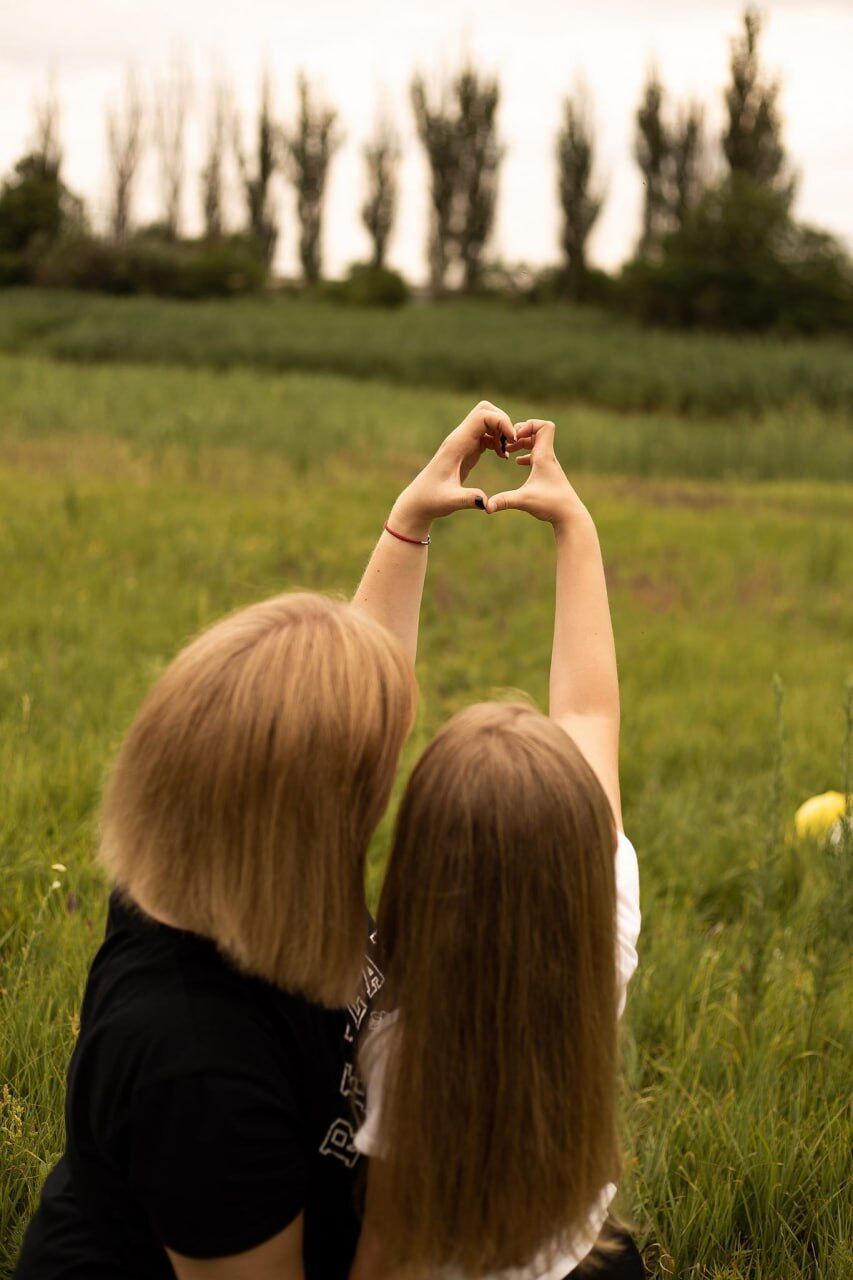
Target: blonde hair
{"type": "Point", "coordinates": [250, 783]}
{"type": "Point", "coordinates": [497, 925]}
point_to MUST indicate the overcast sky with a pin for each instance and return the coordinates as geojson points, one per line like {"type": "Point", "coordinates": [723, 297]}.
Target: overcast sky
{"type": "Point", "coordinates": [361, 52]}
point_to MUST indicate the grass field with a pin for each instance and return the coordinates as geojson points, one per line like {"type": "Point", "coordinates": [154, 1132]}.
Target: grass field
{"type": "Point", "coordinates": [139, 503]}
{"type": "Point", "coordinates": [545, 352]}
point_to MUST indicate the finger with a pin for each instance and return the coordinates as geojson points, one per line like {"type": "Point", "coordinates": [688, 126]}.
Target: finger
{"type": "Point", "coordinates": [533, 428]}
{"type": "Point", "coordinates": [510, 500]}
{"type": "Point", "coordinates": [525, 461]}
{"type": "Point", "coordinates": [495, 419]}
{"type": "Point", "coordinates": [497, 441]}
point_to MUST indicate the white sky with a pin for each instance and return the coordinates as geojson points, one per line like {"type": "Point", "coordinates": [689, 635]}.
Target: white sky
{"type": "Point", "coordinates": [361, 52]}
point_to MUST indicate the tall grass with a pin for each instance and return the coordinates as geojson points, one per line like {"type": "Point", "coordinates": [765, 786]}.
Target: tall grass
{"type": "Point", "coordinates": [162, 405]}
{"type": "Point", "coordinates": [544, 352]}
{"type": "Point", "coordinates": [139, 504]}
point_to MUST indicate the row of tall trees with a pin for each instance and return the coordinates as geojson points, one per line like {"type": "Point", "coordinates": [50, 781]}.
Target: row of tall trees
{"type": "Point", "coordinates": [303, 153]}
{"type": "Point", "coordinates": [710, 205]}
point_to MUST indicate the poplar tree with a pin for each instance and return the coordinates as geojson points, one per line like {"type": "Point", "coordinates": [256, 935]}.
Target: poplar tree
{"type": "Point", "coordinates": [124, 150]}
{"type": "Point", "coordinates": [381, 158]}
{"type": "Point", "coordinates": [436, 125]}
{"type": "Point", "coordinates": [752, 137]}
{"type": "Point", "coordinates": [257, 170]}
{"type": "Point", "coordinates": [170, 119]}
{"type": "Point", "coordinates": [479, 157]}
{"type": "Point", "coordinates": [458, 130]}
{"type": "Point", "coordinates": [580, 199]}
{"type": "Point", "coordinates": [686, 164]}
{"type": "Point", "coordinates": [213, 169]}
{"type": "Point", "coordinates": [651, 149]}
{"type": "Point", "coordinates": [310, 148]}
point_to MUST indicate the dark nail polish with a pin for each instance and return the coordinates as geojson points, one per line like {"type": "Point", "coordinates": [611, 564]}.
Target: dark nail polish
{"type": "Point", "coordinates": [478, 502]}
{"type": "Point", "coordinates": [503, 443]}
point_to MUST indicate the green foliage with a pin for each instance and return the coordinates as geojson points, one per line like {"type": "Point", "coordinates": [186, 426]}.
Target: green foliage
{"type": "Point", "coordinates": [651, 150]}
{"type": "Point", "coordinates": [36, 211]}
{"type": "Point", "coordinates": [458, 130]}
{"type": "Point", "coordinates": [381, 160]}
{"type": "Point", "coordinates": [141, 503]}
{"type": "Point", "coordinates": [369, 286]}
{"type": "Point", "coordinates": [538, 353]}
{"type": "Point", "coordinates": [147, 263]}
{"type": "Point", "coordinates": [580, 201]}
{"type": "Point", "coordinates": [310, 148]}
{"type": "Point", "coordinates": [740, 262]}
{"type": "Point", "coordinates": [752, 139]}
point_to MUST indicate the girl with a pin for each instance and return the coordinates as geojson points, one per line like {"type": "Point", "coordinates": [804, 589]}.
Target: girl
{"type": "Point", "coordinates": [208, 1116]}
{"type": "Point", "coordinates": [510, 892]}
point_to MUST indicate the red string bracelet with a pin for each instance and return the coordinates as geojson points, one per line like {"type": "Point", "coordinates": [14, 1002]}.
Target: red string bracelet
{"type": "Point", "coordinates": [415, 542]}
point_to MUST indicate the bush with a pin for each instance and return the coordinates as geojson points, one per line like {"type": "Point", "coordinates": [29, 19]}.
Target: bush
{"type": "Point", "coordinates": [36, 211]}
{"type": "Point", "coordinates": [368, 286]}
{"type": "Point", "coordinates": [740, 262]}
{"type": "Point", "coordinates": [148, 264]}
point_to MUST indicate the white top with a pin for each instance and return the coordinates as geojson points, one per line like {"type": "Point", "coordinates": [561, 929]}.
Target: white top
{"type": "Point", "coordinates": [554, 1263]}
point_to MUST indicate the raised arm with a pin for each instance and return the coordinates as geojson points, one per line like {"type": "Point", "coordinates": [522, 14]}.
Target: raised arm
{"type": "Point", "coordinates": [584, 685]}
{"type": "Point", "coordinates": [392, 585]}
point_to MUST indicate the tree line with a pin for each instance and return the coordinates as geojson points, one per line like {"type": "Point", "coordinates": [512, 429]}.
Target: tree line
{"type": "Point", "coordinates": [718, 243]}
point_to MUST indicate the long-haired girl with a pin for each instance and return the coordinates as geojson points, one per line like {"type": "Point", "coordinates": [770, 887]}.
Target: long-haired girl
{"type": "Point", "coordinates": [508, 921]}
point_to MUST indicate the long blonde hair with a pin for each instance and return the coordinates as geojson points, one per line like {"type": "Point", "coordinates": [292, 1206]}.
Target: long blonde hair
{"type": "Point", "coordinates": [247, 789]}
{"type": "Point", "coordinates": [497, 926]}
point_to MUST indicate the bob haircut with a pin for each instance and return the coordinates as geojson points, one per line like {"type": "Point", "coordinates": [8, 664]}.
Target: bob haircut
{"type": "Point", "coordinates": [497, 923]}
{"type": "Point", "coordinates": [245, 794]}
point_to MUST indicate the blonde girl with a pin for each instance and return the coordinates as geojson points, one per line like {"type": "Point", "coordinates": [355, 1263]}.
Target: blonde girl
{"type": "Point", "coordinates": [211, 1092]}
{"type": "Point", "coordinates": [508, 922]}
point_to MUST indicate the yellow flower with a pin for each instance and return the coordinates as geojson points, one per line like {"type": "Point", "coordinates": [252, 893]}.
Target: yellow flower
{"type": "Point", "coordinates": [818, 815]}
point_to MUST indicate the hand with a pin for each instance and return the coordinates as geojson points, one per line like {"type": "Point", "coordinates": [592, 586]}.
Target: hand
{"type": "Point", "coordinates": [546, 493]}
{"type": "Point", "coordinates": [440, 488]}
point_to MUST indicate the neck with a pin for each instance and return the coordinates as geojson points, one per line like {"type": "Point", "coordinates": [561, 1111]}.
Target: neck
{"type": "Point", "coordinates": [161, 917]}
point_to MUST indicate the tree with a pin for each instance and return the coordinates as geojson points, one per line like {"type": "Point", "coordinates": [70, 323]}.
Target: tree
{"type": "Point", "coordinates": [381, 157]}
{"type": "Point", "coordinates": [213, 169]}
{"type": "Point", "coordinates": [580, 199]}
{"type": "Point", "coordinates": [458, 130]}
{"type": "Point", "coordinates": [436, 125]}
{"type": "Point", "coordinates": [256, 177]}
{"type": "Point", "coordinates": [651, 149]}
{"type": "Point", "coordinates": [170, 120]}
{"type": "Point", "coordinates": [752, 138]}
{"type": "Point", "coordinates": [36, 208]}
{"type": "Point", "coordinates": [310, 149]}
{"type": "Point", "coordinates": [686, 163]}
{"type": "Point", "coordinates": [741, 262]}
{"type": "Point", "coordinates": [480, 154]}
{"type": "Point", "coordinates": [124, 149]}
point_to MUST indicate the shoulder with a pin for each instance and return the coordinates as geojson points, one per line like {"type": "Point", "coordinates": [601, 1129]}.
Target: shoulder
{"type": "Point", "coordinates": [218, 1161]}
{"type": "Point", "coordinates": [160, 1007]}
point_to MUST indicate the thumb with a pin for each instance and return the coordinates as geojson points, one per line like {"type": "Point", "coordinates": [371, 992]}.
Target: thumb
{"type": "Point", "coordinates": [470, 498]}
{"type": "Point", "coordinates": [510, 500]}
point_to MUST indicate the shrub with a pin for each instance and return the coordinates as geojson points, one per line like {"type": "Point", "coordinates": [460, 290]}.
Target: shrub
{"type": "Point", "coordinates": [740, 262]}
{"type": "Point", "coordinates": [368, 286]}
{"type": "Point", "coordinates": [149, 264]}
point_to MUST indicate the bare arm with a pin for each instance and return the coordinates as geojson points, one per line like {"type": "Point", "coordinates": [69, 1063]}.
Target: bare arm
{"type": "Point", "coordinates": [279, 1258]}
{"type": "Point", "coordinates": [392, 586]}
{"type": "Point", "coordinates": [584, 685]}
{"type": "Point", "coordinates": [371, 1261]}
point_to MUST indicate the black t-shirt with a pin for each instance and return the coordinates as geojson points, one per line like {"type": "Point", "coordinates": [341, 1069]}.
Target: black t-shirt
{"type": "Point", "coordinates": [205, 1110]}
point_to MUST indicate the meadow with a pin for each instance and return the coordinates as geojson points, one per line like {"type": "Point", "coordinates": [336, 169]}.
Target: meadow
{"type": "Point", "coordinates": [161, 464]}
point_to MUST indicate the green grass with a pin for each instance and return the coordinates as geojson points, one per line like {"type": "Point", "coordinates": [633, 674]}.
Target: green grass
{"type": "Point", "coordinates": [298, 413]}
{"type": "Point", "coordinates": [139, 504]}
{"type": "Point", "coordinates": [548, 352]}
